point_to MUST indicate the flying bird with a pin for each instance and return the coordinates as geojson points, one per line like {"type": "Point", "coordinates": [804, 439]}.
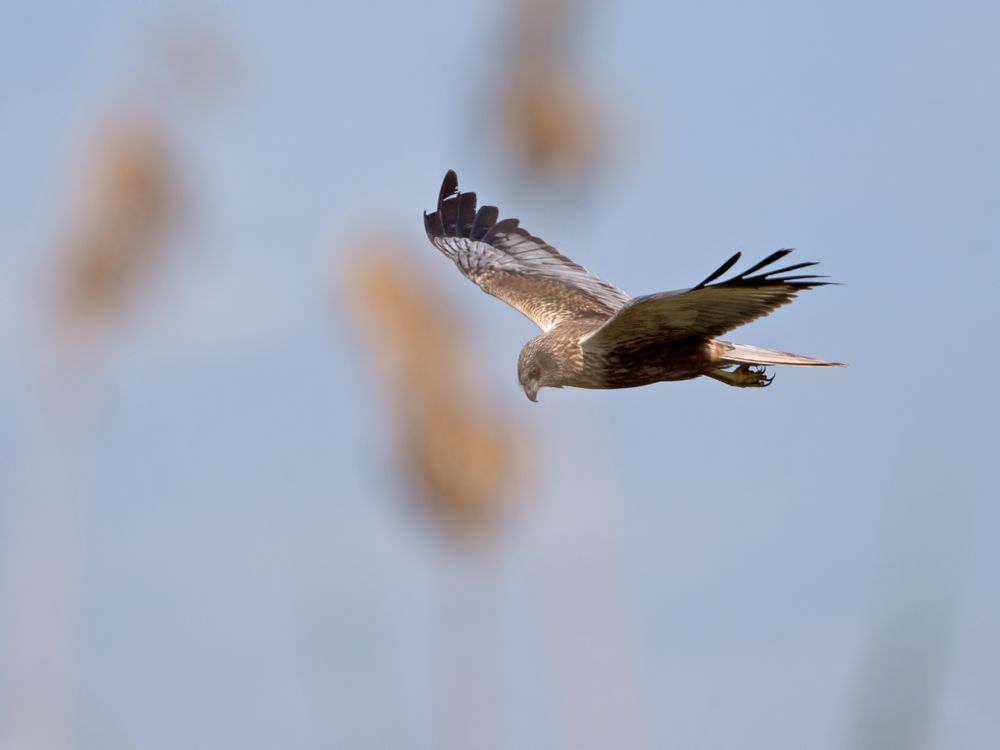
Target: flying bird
{"type": "Point", "coordinates": [594, 335]}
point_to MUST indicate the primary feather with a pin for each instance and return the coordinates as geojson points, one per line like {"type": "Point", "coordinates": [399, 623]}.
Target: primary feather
{"type": "Point", "coordinates": [510, 263]}
{"type": "Point", "coordinates": [707, 309]}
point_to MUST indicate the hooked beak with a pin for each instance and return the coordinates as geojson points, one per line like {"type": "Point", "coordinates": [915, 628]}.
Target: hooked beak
{"type": "Point", "coordinates": [531, 391]}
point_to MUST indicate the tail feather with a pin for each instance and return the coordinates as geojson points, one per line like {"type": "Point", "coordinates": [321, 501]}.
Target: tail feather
{"type": "Point", "coordinates": [758, 355]}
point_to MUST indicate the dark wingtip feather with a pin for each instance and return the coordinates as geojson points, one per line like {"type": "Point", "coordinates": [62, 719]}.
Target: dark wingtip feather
{"type": "Point", "coordinates": [803, 285]}
{"type": "Point", "coordinates": [776, 255]}
{"type": "Point", "coordinates": [794, 267]}
{"type": "Point", "coordinates": [449, 186]}
{"type": "Point", "coordinates": [433, 225]}
{"type": "Point", "coordinates": [801, 277]}
{"type": "Point", "coordinates": [769, 278]}
{"type": "Point", "coordinates": [720, 270]}
{"type": "Point", "coordinates": [456, 215]}
{"type": "Point", "coordinates": [486, 217]}
{"type": "Point", "coordinates": [506, 226]}
{"type": "Point", "coordinates": [466, 212]}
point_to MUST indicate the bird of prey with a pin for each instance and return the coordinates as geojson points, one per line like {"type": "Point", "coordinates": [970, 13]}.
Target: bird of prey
{"type": "Point", "coordinates": [593, 334]}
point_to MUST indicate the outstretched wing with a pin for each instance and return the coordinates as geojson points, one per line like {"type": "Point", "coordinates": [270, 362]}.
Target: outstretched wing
{"type": "Point", "coordinates": [707, 309]}
{"type": "Point", "coordinates": [508, 262]}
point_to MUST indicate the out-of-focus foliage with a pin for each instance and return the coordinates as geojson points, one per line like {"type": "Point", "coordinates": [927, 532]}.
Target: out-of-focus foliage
{"type": "Point", "coordinates": [127, 201]}
{"type": "Point", "coordinates": [455, 445]}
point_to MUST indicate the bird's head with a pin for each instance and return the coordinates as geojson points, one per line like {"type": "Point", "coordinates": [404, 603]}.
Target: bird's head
{"type": "Point", "coordinates": [533, 370]}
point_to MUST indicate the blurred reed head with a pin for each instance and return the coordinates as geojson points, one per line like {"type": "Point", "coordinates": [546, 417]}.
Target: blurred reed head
{"type": "Point", "coordinates": [550, 112]}
{"type": "Point", "coordinates": [124, 204]}
{"type": "Point", "coordinates": [554, 123]}
{"type": "Point", "coordinates": [456, 450]}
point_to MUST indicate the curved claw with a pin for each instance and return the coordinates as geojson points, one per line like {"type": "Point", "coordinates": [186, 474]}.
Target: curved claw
{"type": "Point", "coordinates": [744, 376]}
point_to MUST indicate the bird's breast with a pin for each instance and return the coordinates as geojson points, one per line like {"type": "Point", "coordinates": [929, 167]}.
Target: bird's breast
{"type": "Point", "coordinates": [635, 364]}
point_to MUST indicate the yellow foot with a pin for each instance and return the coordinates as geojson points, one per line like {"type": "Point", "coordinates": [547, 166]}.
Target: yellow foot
{"type": "Point", "coordinates": [744, 376]}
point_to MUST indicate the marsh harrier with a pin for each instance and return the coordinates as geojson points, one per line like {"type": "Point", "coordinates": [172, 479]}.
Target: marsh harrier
{"type": "Point", "coordinates": [593, 334]}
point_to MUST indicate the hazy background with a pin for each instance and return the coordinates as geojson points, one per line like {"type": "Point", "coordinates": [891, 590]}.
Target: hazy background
{"type": "Point", "coordinates": [210, 526]}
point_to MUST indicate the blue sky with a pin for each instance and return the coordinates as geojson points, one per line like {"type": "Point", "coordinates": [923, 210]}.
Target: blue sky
{"type": "Point", "coordinates": [721, 562]}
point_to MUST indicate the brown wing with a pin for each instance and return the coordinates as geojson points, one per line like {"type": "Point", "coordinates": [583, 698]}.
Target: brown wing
{"type": "Point", "coordinates": [508, 262]}
{"type": "Point", "coordinates": [707, 310]}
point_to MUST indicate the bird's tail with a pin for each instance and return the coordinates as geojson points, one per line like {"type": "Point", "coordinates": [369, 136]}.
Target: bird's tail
{"type": "Point", "coordinates": [758, 355]}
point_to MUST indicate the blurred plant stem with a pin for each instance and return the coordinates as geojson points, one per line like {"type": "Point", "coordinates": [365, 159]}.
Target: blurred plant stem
{"type": "Point", "coordinates": [125, 207]}
{"type": "Point", "coordinates": [588, 635]}
{"type": "Point", "coordinates": [459, 459]}
{"type": "Point", "coordinates": [470, 654]}
{"type": "Point", "coordinates": [908, 652]}
{"type": "Point", "coordinates": [42, 553]}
